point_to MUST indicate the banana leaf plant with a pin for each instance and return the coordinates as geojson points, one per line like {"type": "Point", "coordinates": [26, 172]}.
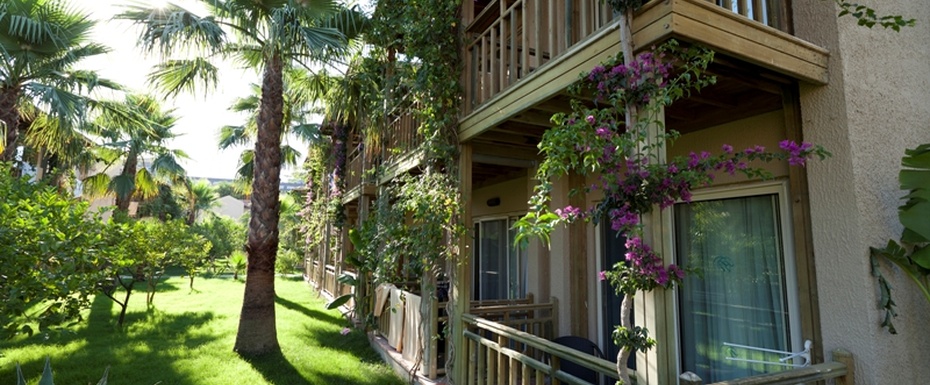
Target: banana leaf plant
{"type": "Point", "coordinates": [912, 254]}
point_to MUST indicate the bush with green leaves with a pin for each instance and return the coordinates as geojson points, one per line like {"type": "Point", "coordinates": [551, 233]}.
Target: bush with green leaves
{"type": "Point", "coordinates": [143, 250]}
{"type": "Point", "coordinates": [51, 250]}
{"type": "Point", "coordinates": [288, 261]}
{"type": "Point", "coordinates": [225, 234]}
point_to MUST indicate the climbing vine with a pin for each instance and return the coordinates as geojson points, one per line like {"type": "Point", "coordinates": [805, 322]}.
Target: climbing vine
{"type": "Point", "coordinates": [627, 162]}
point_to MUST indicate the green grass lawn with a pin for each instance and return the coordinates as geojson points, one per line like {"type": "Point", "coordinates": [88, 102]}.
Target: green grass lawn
{"type": "Point", "coordinates": [187, 338]}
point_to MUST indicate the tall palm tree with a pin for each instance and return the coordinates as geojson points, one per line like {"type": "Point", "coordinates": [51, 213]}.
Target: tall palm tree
{"type": "Point", "coordinates": [131, 140]}
{"type": "Point", "coordinates": [40, 42]}
{"type": "Point", "coordinates": [271, 35]}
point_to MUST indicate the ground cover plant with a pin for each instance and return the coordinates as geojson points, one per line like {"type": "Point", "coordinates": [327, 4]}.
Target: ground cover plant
{"type": "Point", "coordinates": [185, 338]}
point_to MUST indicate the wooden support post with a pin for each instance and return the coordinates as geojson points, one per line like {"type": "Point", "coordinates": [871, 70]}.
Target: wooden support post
{"type": "Point", "coordinates": [430, 314]}
{"type": "Point", "coordinates": [578, 259]}
{"type": "Point", "coordinates": [461, 283]}
{"type": "Point", "coordinates": [846, 358]}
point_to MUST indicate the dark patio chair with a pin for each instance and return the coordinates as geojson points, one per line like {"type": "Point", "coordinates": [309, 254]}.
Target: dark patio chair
{"type": "Point", "coordinates": [584, 345]}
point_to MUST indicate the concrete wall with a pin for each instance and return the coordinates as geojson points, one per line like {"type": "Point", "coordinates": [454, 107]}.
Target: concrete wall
{"type": "Point", "coordinates": [875, 106]}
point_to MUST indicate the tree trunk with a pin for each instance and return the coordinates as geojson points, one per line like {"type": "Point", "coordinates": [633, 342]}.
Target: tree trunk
{"type": "Point", "coordinates": [257, 333]}
{"type": "Point", "coordinates": [626, 46]}
{"type": "Point", "coordinates": [9, 115]}
{"type": "Point", "coordinates": [122, 202]}
{"type": "Point", "coordinates": [624, 354]}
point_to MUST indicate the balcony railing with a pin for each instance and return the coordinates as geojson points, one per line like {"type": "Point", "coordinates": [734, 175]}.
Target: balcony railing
{"type": "Point", "coordinates": [772, 13]}
{"type": "Point", "coordinates": [401, 136]}
{"type": "Point", "coordinates": [499, 354]}
{"type": "Point", "coordinates": [511, 39]}
{"type": "Point", "coordinates": [399, 322]}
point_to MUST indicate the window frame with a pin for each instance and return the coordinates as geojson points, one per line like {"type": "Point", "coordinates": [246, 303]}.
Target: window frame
{"type": "Point", "coordinates": [781, 189]}
{"type": "Point", "coordinates": [523, 270]}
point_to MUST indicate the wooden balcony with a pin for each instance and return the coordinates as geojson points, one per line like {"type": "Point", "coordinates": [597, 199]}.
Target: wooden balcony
{"type": "Point", "coordinates": [499, 354]}
{"type": "Point", "coordinates": [521, 61]}
{"type": "Point", "coordinates": [400, 143]}
{"type": "Point", "coordinates": [359, 176]}
{"type": "Point", "coordinates": [400, 320]}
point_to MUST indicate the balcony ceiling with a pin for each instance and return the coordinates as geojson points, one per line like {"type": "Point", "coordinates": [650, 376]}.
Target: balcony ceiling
{"type": "Point", "coordinates": [742, 90]}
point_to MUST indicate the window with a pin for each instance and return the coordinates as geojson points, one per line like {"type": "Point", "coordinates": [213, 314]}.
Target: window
{"type": "Point", "coordinates": [744, 290]}
{"type": "Point", "coordinates": [500, 265]}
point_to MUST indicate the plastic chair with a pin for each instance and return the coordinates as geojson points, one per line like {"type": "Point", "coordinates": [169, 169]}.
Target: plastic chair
{"type": "Point", "coordinates": [583, 345]}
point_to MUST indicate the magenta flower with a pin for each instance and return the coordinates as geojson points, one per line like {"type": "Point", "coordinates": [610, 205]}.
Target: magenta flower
{"type": "Point", "coordinates": [345, 331]}
{"type": "Point", "coordinates": [601, 275]}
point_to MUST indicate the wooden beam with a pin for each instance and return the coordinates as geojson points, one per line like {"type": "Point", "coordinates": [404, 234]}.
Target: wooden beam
{"type": "Point", "coordinates": [578, 259]}
{"type": "Point", "coordinates": [518, 152]}
{"type": "Point", "coordinates": [503, 161]}
{"type": "Point", "coordinates": [461, 283]}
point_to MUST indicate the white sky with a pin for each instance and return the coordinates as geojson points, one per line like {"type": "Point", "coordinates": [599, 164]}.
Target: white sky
{"type": "Point", "coordinates": [200, 116]}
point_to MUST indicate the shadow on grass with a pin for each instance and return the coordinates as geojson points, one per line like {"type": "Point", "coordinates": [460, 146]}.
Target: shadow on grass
{"type": "Point", "coordinates": [276, 369]}
{"type": "Point", "coordinates": [143, 352]}
{"type": "Point", "coordinates": [320, 315]}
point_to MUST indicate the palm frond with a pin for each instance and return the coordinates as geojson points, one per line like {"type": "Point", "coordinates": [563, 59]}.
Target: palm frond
{"type": "Point", "coordinates": [123, 185]}
{"type": "Point", "coordinates": [145, 184]}
{"type": "Point", "coordinates": [59, 102]}
{"type": "Point", "coordinates": [166, 164]}
{"type": "Point", "coordinates": [289, 156]}
{"type": "Point", "coordinates": [233, 136]}
{"type": "Point", "coordinates": [246, 163]}
{"type": "Point", "coordinates": [174, 76]}
{"type": "Point", "coordinates": [96, 185]}
{"type": "Point", "coordinates": [170, 28]}
{"type": "Point", "coordinates": [309, 132]}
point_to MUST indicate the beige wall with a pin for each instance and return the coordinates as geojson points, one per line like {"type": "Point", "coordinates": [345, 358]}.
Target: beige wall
{"type": "Point", "coordinates": [876, 105]}
{"type": "Point", "coordinates": [765, 130]}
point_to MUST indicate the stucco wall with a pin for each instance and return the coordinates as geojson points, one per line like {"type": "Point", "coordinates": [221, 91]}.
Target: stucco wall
{"type": "Point", "coordinates": [876, 105]}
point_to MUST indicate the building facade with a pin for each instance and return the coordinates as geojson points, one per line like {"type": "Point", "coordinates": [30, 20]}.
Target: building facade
{"type": "Point", "coordinates": [783, 261]}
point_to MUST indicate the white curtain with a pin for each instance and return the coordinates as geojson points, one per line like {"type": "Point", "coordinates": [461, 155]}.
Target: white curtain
{"type": "Point", "coordinates": [737, 294]}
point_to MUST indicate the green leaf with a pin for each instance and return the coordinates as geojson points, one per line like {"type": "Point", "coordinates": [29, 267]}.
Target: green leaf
{"type": "Point", "coordinates": [921, 256]}
{"type": "Point", "coordinates": [916, 218]}
{"type": "Point", "coordinates": [20, 380]}
{"type": "Point", "coordinates": [103, 380]}
{"type": "Point", "coordinates": [347, 279]}
{"type": "Point", "coordinates": [917, 157]}
{"type": "Point", "coordinates": [341, 300]}
{"type": "Point", "coordinates": [47, 373]}
{"type": "Point", "coordinates": [914, 179]}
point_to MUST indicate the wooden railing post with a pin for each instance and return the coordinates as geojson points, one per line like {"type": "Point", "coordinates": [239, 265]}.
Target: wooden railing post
{"type": "Point", "coordinates": [846, 358]}
{"type": "Point", "coordinates": [555, 318]}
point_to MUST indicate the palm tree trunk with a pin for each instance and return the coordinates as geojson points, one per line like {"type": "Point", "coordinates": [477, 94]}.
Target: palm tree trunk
{"type": "Point", "coordinates": [122, 201]}
{"type": "Point", "coordinates": [257, 333]}
{"type": "Point", "coordinates": [9, 115]}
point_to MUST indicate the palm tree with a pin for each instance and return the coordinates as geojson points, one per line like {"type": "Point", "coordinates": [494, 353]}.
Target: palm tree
{"type": "Point", "coordinates": [131, 140]}
{"type": "Point", "coordinates": [40, 42]}
{"type": "Point", "coordinates": [271, 35]}
{"type": "Point", "coordinates": [199, 196]}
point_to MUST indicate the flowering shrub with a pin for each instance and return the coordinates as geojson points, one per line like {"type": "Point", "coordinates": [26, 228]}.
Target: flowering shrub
{"type": "Point", "coordinates": [624, 154]}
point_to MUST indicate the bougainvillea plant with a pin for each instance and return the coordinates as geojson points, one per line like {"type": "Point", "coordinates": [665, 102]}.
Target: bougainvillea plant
{"type": "Point", "coordinates": [628, 165]}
